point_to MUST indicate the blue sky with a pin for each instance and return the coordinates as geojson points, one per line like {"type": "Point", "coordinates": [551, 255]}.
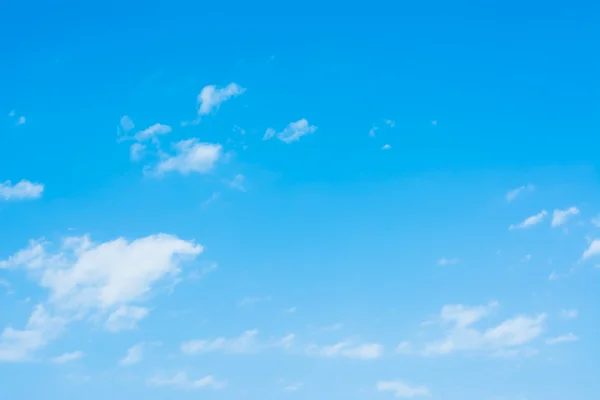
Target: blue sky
{"type": "Point", "coordinates": [264, 201]}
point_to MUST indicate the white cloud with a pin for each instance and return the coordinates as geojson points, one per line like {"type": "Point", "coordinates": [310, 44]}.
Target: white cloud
{"type": "Point", "coordinates": [367, 351]}
{"type": "Point", "coordinates": [570, 337]}
{"type": "Point", "coordinates": [211, 97]}
{"type": "Point", "coordinates": [125, 318]}
{"type": "Point", "coordinates": [102, 279]}
{"type": "Point", "coordinates": [22, 120]}
{"type": "Point", "coordinates": [136, 151]}
{"type": "Point", "coordinates": [190, 156]}
{"type": "Point", "coordinates": [134, 355]}
{"type": "Point", "coordinates": [513, 194]}
{"type": "Point", "coordinates": [404, 348]}
{"type": "Point", "coordinates": [152, 132]}
{"type": "Point", "coordinates": [593, 250]}
{"type": "Point", "coordinates": [292, 132]}
{"type": "Point", "coordinates": [19, 345]}
{"type": "Point", "coordinates": [390, 122]}
{"type": "Point", "coordinates": [461, 336]}
{"type": "Point", "coordinates": [569, 313]}
{"type": "Point", "coordinates": [372, 131]}
{"type": "Point", "coordinates": [68, 357]}
{"type": "Point", "coordinates": [22, 190]}
{"type": "Point", "coordinates": [448, 261]}
{"type": "Point", "coordinates": [246, 343]}
{"type": "Point", "coordinates": [181, 381]}
{"type": "Point", "coordinates": [402, 390]}
{"type": "Point", "coordinates": [213, 197]}
{"type": "Point", "coordinates": [560, 217]}
{"type": "Point", "coordinates": [596, 221]}
{"type": "Point", "coordinates": [386, 147]}
{"type": "Point", "coordinates": [126, 124]}
{"type": "Point", "coordinates": [530, 221]}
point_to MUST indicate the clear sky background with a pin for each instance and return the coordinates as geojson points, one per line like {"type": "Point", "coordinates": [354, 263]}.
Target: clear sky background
{"type": "Point", "coordinates": [314, 200]}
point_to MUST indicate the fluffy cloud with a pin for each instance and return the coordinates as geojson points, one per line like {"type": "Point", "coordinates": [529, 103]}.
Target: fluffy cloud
{"type": "Point", "coordinates": [560, 217]}
{"type": "Point", "coordinates": [134, 355]}
{"type": "Point", "coordinates": [570, 337]}
{"type": "Point", "coordinates": [367, 351]}
{"type": "Point", "coordinates": [530, 221]}
{"type": "Point", "coordinates": [190, 156]}
{"type": "Point", "coordinates": [513, 194]}
{"type": "Point", "coordinates": [460, 335]}
{"type": "Point", "coordinates": [402, 390]}
{"type": "Point", "coordinates": [181, 381]}
{"type": "Point", "coordinates": [291, 133]}
{"type": "Point", "coordinates": [136, 151]}
{"type": "Point", "coordinates": [22, 190]}
{"type": "Point", "coordinates": [84, 277]}
{"type": "Point", "coordinates": [211, 97]}
{"type": "Point", "coordinates": [68, 357]}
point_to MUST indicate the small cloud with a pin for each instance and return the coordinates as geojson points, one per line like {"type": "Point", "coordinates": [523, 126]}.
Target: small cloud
{"type": "Point", "coordinates": [23, 190]}
{"type": "Point", "coordinates": [213, 197]}
{"type": "Point", "coordinates": [372, 131]}
{"type": "Point", "coordinates": [513, 194]}
{"type": "Point", "coordinates": [293, 387]}
{"type": "Point", "coordinates": [191, 156]}
{"type": "Point", "coordinates": [247, 301]}
{"type": "Point", "coordinates": [152, 132]}
{"type": "Point", "coordinates": [386, 147]}
{"type": "Point", "coordinates": [11, 113]}
{"type": "Point", "coordinates": [530, 221]}
{"type": "Point", "coordinates": [592, 251]}
{"type": "Point", "coordinates": [125, 318]}
{"type": "Point", "coordinates": [596, 221]}
{"type": "Point", "coordinates": [526, 258]}
{"type": "Point", "coordinates": [181, 381]}
{"type": "Point", "coordinates": [367, 351]}
{"type": "Point", "coordinates": [404, 348]}
{"type": "Point", "coordinates": [571, 313]}
{"type": "Point", "coordinates": [22, 120]}
{"type": "Point", "coordinates": [239, 130]}
{"type": "Point", "coordinates": [136, 151]}
{"type": "Point", "coordinates": [126, 124]}
{"type": "Point", "coordinates": [291, 310]}
{"type": "Point", "coordinates": [560, 217]}
{"type": "Point", "coordinates": [134, 355]}
{"type": "Point", "coordinates": [211, 97]}
{"type": "Point", "coordinates": [68, 357]}
{"type": "Point", "coordinates": [292, 132]}
{"type": "Point", "coordinates": [402, 390]}
{"type": "Point", "coordinates": [434, 122]}
{"type": "Point", "coordinates": [570, 337]}
{"type": "Point", "coordinates": [389, 122]}
{"type": "Point", "coordinates": [238, 183]}
{"type": "Point", "coordinates": [448, 261]}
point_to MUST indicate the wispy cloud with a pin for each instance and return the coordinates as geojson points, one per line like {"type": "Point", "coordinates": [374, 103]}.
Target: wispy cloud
{"type": "Point", "coordinates": [152, 132]}
{"type": "Point", "coordinates": [530, 221]}
{"type": "Point", "coordinates": [347, 349]}
{"type": "Point", "coordinates": [68, 357]}
{"type": "Point", "coordinates": [448, 261]}
{"type": "Point", "coordinates": [133, 356]}
{"type": "Point", "coordinates": [23, 190]}
{"type": "Point", "coordinates": [592, 251]}
{"type": "Point", "coordinates": [386, 147]}
{"type": "Point", "coordinates": [570, 337]}
{"type": "Point", "coordinates": [181, 381]}
{"type": "Point", "coordinates": [211, 97]}
{"type": "Point", "coordinates": [570, 313]}
{"type": "Point", "coordinates": [560, 217]}
{"type": "Point", "coordinates": [292, 132]}
{"type": "Point", "coordinates": [402, 390]}
{"type": "Point", "coordinates": [514, 193]}
{"type": "Point", "coordinates": [246, 343]}
{"type": "Point", "coordinates": [248, 300]}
